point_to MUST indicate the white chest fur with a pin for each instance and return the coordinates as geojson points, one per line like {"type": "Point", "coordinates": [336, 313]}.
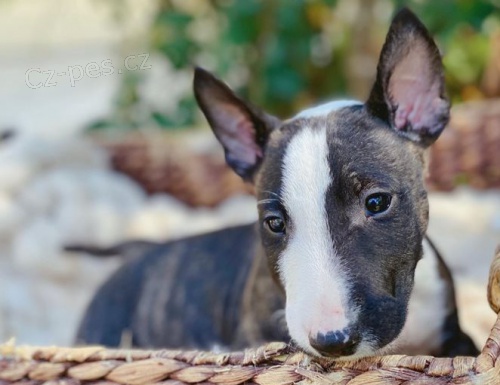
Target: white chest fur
{"type": "Point", "coordinates": [427, 309]}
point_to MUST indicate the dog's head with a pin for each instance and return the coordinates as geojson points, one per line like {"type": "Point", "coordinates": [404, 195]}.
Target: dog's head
{"type": "Point", "coordinates": [341, 200]}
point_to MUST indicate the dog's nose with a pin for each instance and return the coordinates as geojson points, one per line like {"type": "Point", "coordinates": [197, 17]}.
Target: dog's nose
{"type": "Point", "coordinates": [336, 343]}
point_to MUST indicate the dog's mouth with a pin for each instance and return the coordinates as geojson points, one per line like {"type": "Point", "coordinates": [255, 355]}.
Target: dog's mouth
{"type": "Point", "coordinates": [363, 349]}
{"type": "Point", "coordinates": [358, 342]}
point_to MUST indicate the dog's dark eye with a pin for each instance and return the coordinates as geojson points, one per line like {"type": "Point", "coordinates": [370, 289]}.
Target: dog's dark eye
{"type": "Point", "coordinates": [377, 203]}
{"type": "Point", "coordinates": [276, 224]}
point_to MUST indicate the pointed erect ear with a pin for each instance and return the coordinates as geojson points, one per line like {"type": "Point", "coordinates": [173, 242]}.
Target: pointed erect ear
{"type": "Point", "coordinates": [409, 90]}
{"type": "Point", "coordinates": [242, 129]}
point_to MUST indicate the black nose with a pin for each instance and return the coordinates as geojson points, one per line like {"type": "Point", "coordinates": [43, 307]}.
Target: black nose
{"type": "Point", "coordinates": [336, 343]}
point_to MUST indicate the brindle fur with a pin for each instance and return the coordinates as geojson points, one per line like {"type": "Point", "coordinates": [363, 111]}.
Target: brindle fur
{"type": "Point", "coordinates": [224, 288]}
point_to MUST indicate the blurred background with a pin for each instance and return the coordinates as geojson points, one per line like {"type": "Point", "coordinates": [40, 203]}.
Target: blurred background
{"type": "Point", "coordinates": [101, 140]}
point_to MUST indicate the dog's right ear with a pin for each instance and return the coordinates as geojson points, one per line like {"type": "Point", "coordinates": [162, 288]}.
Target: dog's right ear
{"type": "Point", "coordinates": [242, 129]}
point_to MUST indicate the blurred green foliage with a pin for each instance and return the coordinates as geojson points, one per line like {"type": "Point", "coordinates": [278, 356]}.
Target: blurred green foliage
{"type": "Point", "coordinates": [284, 54]}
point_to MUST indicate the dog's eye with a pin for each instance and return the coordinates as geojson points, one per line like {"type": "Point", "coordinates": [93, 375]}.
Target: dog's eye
{"type": "Point", "coordinates": [377, 203]}
{"type": "Point", "coordinates": [276, 224]}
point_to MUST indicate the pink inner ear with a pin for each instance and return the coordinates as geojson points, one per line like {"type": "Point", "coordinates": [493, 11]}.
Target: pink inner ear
{"type": "Point", "coordinates": [416, 91]}
{"type": "Point", "coordinates": [237, 133]}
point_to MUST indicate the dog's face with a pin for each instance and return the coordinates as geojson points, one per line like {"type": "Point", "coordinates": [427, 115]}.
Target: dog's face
{"type": "Point", "coordinates": [341, 200]}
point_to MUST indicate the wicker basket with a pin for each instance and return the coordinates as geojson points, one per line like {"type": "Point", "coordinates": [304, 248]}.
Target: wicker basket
{"type": "Point", "coordinates": [169, 163]}
{"type": "Point", "coordinates": [272, 364]}
{"type": "Point", "coordinates": [468, 152]}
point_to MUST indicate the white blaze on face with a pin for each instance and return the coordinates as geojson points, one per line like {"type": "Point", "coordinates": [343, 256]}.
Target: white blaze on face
{"type": "Point", "coordinates": [316, 288]}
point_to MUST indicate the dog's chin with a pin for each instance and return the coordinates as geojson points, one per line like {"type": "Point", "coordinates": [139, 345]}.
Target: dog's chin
{"type": "Point", "coordinates": [365, 349]}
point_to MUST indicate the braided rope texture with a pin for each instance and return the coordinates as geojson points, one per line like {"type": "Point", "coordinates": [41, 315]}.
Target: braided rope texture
{"type": "Point", "coordinates": [271, 364]}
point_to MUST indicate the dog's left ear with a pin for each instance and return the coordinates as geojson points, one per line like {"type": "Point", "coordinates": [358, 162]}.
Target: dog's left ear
{"type": "Point", "coordinates": [409, 90]}
{"type": "Point", "coordinates": [242, 129]}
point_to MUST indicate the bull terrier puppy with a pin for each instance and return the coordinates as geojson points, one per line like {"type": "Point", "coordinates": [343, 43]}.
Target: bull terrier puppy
{"type": "Point", "coordinates": [338, 262]}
